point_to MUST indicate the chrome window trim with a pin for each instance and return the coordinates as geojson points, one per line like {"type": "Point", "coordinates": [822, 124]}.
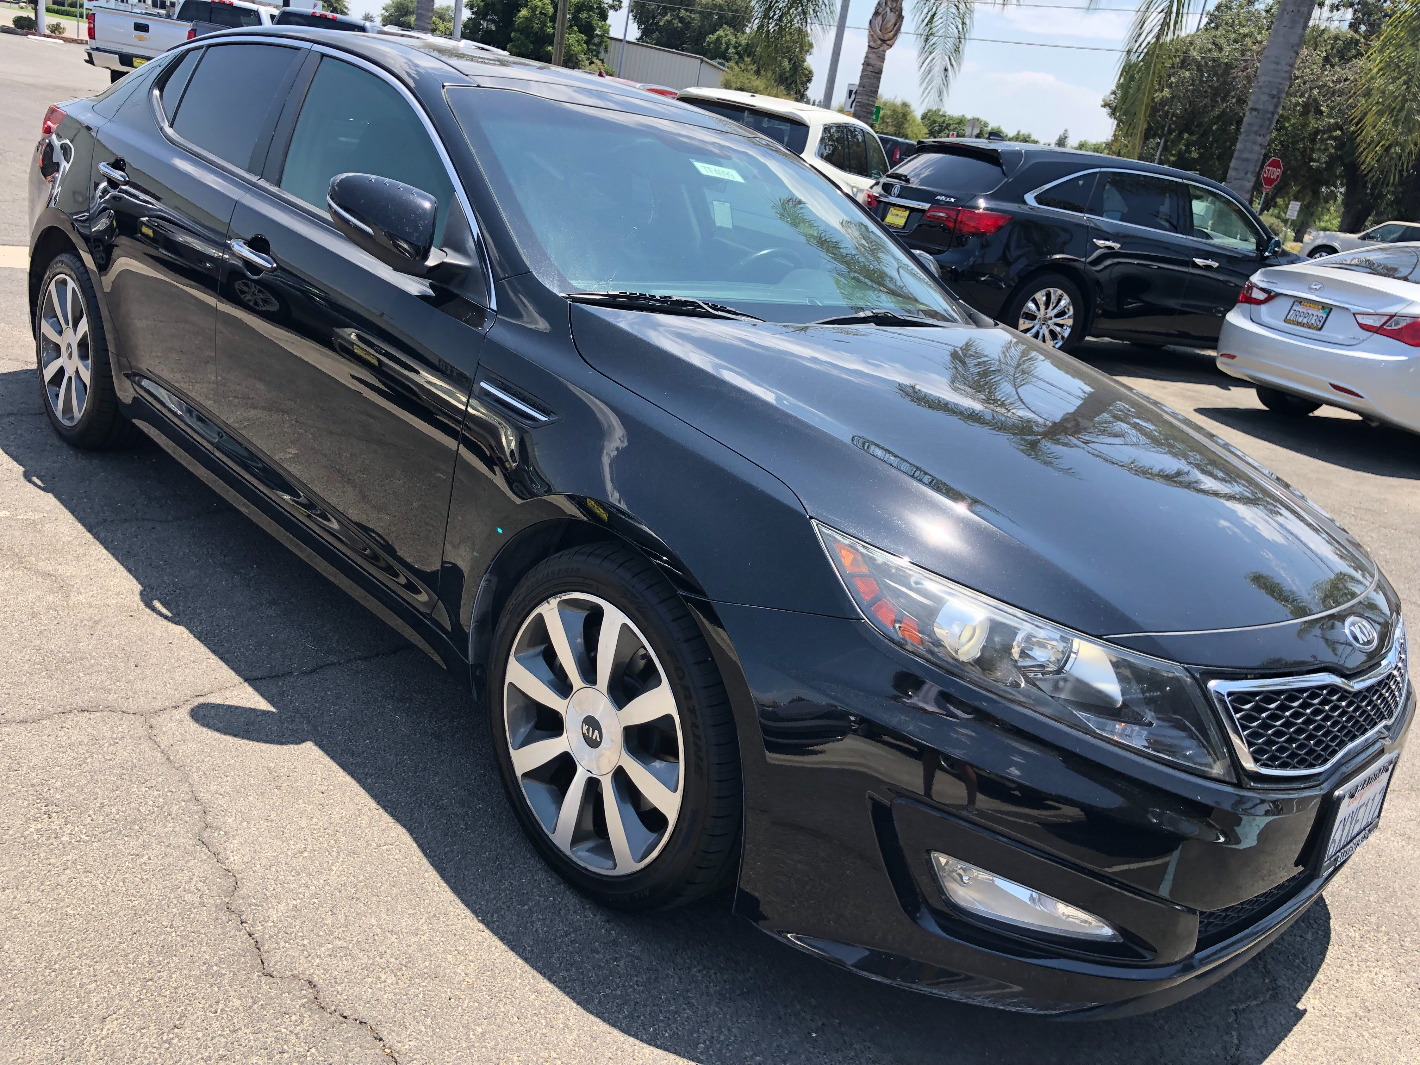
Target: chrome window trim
{"type": "Point", "coordinates": [1220, 689]}
{"type": "Point", "coordinates": [916, 205]}
{"type": "Point", "coordinates": [1030, 199]}
{"type": "Point", "coordinates": [155, 99]}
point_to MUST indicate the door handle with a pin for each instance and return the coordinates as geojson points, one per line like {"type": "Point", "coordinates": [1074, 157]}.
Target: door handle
{"type": "Point", "coordinates": [251, 256]}
{"type": "Point", "coordinates": [1110, 244]}
{"type": "Point", "coordinates": [1205, 262]}
{"type": "Point", "coordinates": [115, 174]}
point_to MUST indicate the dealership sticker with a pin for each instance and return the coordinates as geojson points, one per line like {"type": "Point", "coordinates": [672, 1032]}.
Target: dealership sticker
{"type": "Point", "coordinates": [723, 218]}
{"type": "Point", "coordinates": [710, 170]}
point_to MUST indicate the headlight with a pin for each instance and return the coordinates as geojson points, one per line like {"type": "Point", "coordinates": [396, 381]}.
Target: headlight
{"type": "Point", "coordinates": [1142, 703]}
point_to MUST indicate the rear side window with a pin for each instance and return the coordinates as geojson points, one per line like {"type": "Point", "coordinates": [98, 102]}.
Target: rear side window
{"type": "Point", "coordinates": [195, 11]}
{"type": "Point", "coordinates": [1139, 200]}
{"type": "Point", "coordinates": [852, 149]}
{"type": "Point", "coordinates": [354, 122]}
{"type": "Point", "coordinates": [1072, 194]}
{"type": "Point", "coordinates": [230, 15]}
{"type": "Point", "coordinates": [228, 108]}
{"type": "Point", "coordinates": [792, 135]}
{"type": "Point", "coordinates": [177, 82]}
{"type": "Point", "coordinates": [959, 175]}
{"type": "Point", "coordinates": [319, 20]}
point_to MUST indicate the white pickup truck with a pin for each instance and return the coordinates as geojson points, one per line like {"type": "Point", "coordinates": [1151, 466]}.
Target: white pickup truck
{"type": "Point", "coordinates": [125, 36]}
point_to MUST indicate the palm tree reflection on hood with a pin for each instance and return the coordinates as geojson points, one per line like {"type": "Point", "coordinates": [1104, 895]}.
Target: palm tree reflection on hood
{"type": "Point", "coordinates": [1019, 391]}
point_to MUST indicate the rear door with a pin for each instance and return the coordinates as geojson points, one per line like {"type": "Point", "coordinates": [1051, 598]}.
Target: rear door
{"type": "Point", "coordinates": [344, 380]}
{"type": "Point", "coordinates": [170, 168]}
{"type": "Point", "coordinates": [1225, 254]}
{"type": "Point", "coordinates": [1140, 258]}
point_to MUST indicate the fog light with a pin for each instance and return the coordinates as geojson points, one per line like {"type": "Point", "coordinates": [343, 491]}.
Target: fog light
{"type": "Point", "coordinates": [988, 895]}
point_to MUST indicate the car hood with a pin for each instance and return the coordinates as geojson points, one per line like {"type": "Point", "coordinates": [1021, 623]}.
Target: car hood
{"type": "Point", "coordinates": [1008, 467]}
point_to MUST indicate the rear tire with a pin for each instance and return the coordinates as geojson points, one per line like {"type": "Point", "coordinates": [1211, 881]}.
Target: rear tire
{"type": "Point", "coordinates": [1049, 309]}
{"type": "Point", "coordinates": [624, 774]}
{"type": "Point", "coordinates": [114, 75]}
{"type": "Point", "coordinates": [72, 361]}
{"type": "Point", "coordinates": [1320, 253]}
{"type": "Point", "coordinates": [1285, 402]}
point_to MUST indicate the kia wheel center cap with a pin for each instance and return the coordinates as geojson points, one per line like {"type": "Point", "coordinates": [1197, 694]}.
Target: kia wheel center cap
{"type": "Point", "coordinates": [594, 731]}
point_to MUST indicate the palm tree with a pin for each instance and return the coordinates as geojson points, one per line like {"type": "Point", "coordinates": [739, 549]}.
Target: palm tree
{"type": "Point", "coordinates": [423, 15]}
{"type": "Point", "coordinates": [1156, 23]}
{"type": "Point", "coordinates": [1388, 97]}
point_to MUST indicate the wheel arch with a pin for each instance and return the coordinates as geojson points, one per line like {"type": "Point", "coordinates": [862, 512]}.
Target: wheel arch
{"type": "Point", "coordinates": [51, 242]}
{"type": "Point", "coordinates": [1073, 269]}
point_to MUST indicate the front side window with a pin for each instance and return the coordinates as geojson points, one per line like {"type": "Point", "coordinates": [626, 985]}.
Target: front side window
{"type": "Point", "coordinates": [1138, 200]}
{"type": "Point", "coordinates": [356, 123]}
{"type": "Point", "coordinates": [230, 97]}
{"type": "Point", "coordinates": [1216, 218]}
{"type": "Point", "coordinates": [1389, 232]}
{"type": "Point", "coordinates": [601, 200]}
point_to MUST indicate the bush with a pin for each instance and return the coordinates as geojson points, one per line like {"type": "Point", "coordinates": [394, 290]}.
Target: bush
{"type": "Point", "coordinates": [56, 29]}
{"type": "Point", "coordinates": [23, 22]}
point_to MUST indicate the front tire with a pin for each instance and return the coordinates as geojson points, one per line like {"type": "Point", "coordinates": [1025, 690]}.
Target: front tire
{"type": "Point", "coordinates": [613, 731]}
{"type": "Point", "coordinates": [72, 360]}
{"type": "Point", "coordinates": [1285, 402]}
{"type": "Point", "coordinates": [1048, 308]}
{"type": "Point", "coordinates": [1320, 253]}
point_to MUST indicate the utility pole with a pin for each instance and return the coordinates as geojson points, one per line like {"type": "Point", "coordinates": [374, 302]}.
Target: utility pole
{"type": "Point", "coordinates": [458, 19]}
{"type": "Point", "coordinates": [625, 29]}
{"type": "Point", "coordinates": [559, 41]}
{"type": "Point", "coordinates": [833, 56]}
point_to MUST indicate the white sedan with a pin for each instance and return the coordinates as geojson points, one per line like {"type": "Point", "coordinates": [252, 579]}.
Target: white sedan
{"type": "Point", "coordinates": [1330, 243]}
{"type": "Point", "coordinates": [1343, 330]}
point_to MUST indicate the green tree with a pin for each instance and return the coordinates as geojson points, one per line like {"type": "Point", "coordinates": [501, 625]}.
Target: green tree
{"type": "Point", "coordinates": [899, 120]}
{"type": "Point", "coordinates": [401, 13]}
{"type": "Point", "coordinates": [526, 28]}
{"type": "Point", "coordinates": [337, 7]}
{"type": "Point", "coordinates": [687, 28]}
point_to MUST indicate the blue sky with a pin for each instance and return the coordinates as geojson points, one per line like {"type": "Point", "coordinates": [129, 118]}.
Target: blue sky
{"type": "Point", "coordinates": [1039, 90]}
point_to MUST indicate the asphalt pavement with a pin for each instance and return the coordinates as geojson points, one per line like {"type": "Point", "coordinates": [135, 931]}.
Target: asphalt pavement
{"type": "Point", "coordinates": [243, 821]}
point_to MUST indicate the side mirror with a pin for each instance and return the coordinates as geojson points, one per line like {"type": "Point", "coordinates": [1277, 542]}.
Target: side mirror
{"type": "Point", "coordinates": [930, 263]}
{"type": "Point", "coordinates": [392, 221]}
{"type": "Point", "coordinates": [1273, 247]}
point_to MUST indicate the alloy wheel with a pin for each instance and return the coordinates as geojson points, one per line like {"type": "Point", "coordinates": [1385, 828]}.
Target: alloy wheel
{"type": "Point", "coordinates": [64, 349]}
{"type": "Point", "coordinates": [256, 297]}
{"type": "Point", "coordinates": [1049, 315]}
{"type": "Point", "coordinates": [594, 734]}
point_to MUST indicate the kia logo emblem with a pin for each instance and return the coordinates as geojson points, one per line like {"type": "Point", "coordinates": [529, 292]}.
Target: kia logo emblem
{"type": "Point", "coordinates": [1361, 633]}
{"type": "Point", "coordinates": [592, 732]}
{"type": "Point", "coordinates": [1316, 286]}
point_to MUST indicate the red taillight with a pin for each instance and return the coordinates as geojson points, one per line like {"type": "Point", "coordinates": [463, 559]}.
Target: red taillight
{"type": "Point", "coordinates": [1252, 295]}
{"type": "Point", "coordinates": [52, 118]}
{"type": "Point", "coordinates": [869, 198]}
{"type": "Point", "coordinates": [1346, 391]}
{"type": "Point", "coordinates": [192, 33]}
{"type": "Point", "coordinates": [967, 221]}
{"type": "Point", "coordinates": [1402, 327]}
{"type": "Point", "coordinates": [91, 25]}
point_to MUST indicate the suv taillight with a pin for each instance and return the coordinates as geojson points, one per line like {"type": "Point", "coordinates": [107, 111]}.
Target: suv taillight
{"type": "Point", "coordinates": [967, 221]}
{"type": "Point", "coordinates": [1402, 327]}
{"type": "Point", "coordinates": [1253, 295]}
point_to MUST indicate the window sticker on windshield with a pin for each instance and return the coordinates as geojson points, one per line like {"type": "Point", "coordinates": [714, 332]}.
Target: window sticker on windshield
{"type": "Point", "coordinates": [710, 170]}
{"type": "Point", "coordinates": [723, 218]}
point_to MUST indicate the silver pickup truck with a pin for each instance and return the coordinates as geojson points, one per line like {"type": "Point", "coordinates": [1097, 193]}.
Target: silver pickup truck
{"type": "Point", "coordinates": [124, 37]}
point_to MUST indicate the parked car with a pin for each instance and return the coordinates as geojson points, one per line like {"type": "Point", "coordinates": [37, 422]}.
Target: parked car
{"type": "Point", "coordinates": [835, 144]}
{"type": "Point", "coordinates": [1329, 243]}
{"type": "Point", "coordinates": [124, 40]}
{"type": "Point", "coordinates": [1062, 244]}
{"type": "Point", "coordinates": [771, 565]}
{"type": "Point", "coordinates": [1342, 331]}
{"type": "Point", "coordinates": [896, 148]}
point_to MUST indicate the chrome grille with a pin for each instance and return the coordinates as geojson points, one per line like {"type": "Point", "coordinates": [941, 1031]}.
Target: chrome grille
{"type": "Point", "coordinates": [1303, 724]}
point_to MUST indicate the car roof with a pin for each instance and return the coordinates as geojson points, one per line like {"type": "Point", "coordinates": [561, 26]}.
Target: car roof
{"type": "Point", "coordinates": [773, 105]}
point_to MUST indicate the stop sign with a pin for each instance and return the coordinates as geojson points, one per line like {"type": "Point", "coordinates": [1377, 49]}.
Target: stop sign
{"type": "Point", "coordinates": [1271, 173]}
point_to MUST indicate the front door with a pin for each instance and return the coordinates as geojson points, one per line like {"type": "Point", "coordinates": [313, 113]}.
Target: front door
{"type": "Point", "coordinates": [1225, 254]}
{"type": "Point", "coordinates": [1138, 255]}
{"type": "Point", "coordinates": [346, 380]}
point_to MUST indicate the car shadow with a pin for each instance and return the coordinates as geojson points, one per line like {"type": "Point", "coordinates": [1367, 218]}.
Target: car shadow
{"type": "Point", "coordinates": [696, 982]}
{"type": "Point", "coordinates": [1170, 363]}
{"type": "Point", "coordinates": [1341, 441]}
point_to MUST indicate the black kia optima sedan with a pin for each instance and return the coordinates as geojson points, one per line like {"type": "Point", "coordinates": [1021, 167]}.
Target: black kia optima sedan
{"type": "Point", "coordinates": [774, 568]}
{"type": "Point", "coordinates": [1063, 244]}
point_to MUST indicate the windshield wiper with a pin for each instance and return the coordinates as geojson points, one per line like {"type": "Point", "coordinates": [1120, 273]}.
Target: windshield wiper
{"type": "Point", "coordinates": [646, 301]}
{"type": "Point", "coordinates": [879, 317]}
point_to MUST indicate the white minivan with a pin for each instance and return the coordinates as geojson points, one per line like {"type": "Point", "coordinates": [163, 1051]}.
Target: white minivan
{"type": "Point", "coordinates": [835, 144]}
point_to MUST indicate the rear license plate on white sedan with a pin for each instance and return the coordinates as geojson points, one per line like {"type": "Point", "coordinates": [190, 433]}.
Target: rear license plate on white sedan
{"type": "Point", "coordinates": [1358, 811]}
{"type": "Point", "coordinates": [1307, 314]}
{"type": "Point", "coordinates": [896, 217]}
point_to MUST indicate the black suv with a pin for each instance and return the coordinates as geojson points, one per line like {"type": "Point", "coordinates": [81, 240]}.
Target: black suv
{"type": "Point", "coordinates": [1063, 244]}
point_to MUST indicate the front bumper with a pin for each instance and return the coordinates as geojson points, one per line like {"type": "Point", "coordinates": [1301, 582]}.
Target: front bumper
{"type": "Point", "coordinates": [871, 759]}
{"type": "Point", "coordinates": [1387, 386]}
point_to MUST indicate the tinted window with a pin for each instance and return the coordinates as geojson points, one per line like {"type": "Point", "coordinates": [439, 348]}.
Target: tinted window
{"type": "Point", "coordinates": [1139, 200]}
{"type": "Point", "coordinates": [875, 163]}
{"type": "Point", "coordinates": [852, 149]}
{"type": "Point", "coordinates": [354, 122]}
{"type": "Point", "coordinates": [173, 87]}
{"type": "Point", "coordinates": [320, 20]}
{"type": "Point", "coordinates": [1411, 233]}
{"type": "Point", "coordinates": [231, 15]}
{"type": "Point", "coordinates": [1218, 219]}
{"type": "Point", "coordinates": [960, 175]}
{"type": "Point", "coordinates": [793, 135]}
{"type": "Point", "coordinates": [1388, 232]}
{"type": "Point", "coordinates": [230, 97]}
{"type": "Point", "coordinates": [833, 145]}
{"type": "Point", "coordinates": [1072, 194]}
{"type": "Point", "coordinates": [195, 11]}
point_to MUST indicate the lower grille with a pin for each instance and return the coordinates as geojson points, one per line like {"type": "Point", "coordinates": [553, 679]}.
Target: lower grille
{"type": "Point", "coordinates": [1216, 925]}
{"type": "Point", "coordinates": [1301, 725]}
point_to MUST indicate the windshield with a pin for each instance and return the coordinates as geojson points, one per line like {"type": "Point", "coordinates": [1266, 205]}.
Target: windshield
{"type": "Point", "coordinates": [1398, 261]}
{"type": "Point", "coordinates": [609, 201]}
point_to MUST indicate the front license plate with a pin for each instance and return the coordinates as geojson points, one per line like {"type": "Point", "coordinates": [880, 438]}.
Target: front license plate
{"type": "Point", "coordinates": [1307, 314]}
{"type": "Point", "coordinates": [896, 217]}
{"type": "Point", "coordinates": [138, 62]}
{"type": "Point", "coordinates": [1358, 811]}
